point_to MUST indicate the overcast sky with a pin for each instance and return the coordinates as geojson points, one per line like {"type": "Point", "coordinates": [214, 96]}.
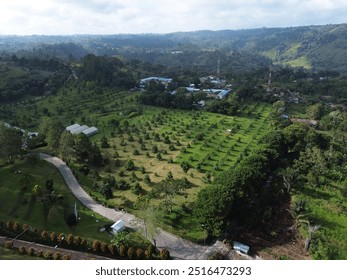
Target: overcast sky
{"type": "Point", "coordinates": [60, 17]}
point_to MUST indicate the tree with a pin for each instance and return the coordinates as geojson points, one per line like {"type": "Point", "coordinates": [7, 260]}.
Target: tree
{"type": "Point", "coordinates": [106, 191]}
{"type": "Point", "coordinates": [169, 176]}
{"type": "Point", "coordinates": [10, 143]}
{"type": "Point", "coordinates": [129, 165]}
{"type": "Point", "coordinates": [66, 144]}
{"type": "Point", "coordinates": [52, 129]}
{"type": "Point", "coordinates": [147, 179]}
{"type": "Point", "coordinates": [83, 147]}
{"type": "Point", "coordinates": [147, 217]}
{"type": "Point", "coordinates": [104, 143]}
{"type": "Point", "coordinates": [185, 166]}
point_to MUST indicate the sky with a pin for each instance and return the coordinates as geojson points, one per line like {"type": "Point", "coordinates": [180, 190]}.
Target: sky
{"type": "Point", "coordinates": [67, 17]}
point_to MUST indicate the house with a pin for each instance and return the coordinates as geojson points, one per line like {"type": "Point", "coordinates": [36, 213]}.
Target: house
{"type": "Point", "coordinates": [118, 226]}
{"type": "Point", "coordinates": [240, 247]}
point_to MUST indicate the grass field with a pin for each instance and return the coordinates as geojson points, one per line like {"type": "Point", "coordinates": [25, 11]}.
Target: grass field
{"type": "Point", "coordinates": [18, 204]}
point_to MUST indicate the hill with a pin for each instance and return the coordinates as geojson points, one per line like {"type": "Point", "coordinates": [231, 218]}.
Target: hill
{"type": "Point", "coordinates": [311, 47]}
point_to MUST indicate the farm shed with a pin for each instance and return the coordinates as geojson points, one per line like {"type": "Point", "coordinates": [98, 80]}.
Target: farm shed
{"type": "Point", "coordinates": [72, 127]}
{"type": "Point", "coordinates": [90, 131]}
{"type": "Point", "coordinates": [240, 247]}
{"type": "Point", "coordinates": [79, 129]}
{"type": "Point", "coordinates": [118, 226]}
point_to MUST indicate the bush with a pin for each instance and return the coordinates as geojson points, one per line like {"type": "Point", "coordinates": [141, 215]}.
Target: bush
{"type": "Point", "coordinates": [140, 254]}
{"type": "Point", "coordinates": [131, 253]}
{"type": "Point", "coordinates": [66, 257]}
{"type": "Point", "coordinates": [9, 245]}
{"type": "Point", "coordinates": [22, 250]}
{"type": "Point", "coordinates": [96, 246]}
{"type": "Point", "coordinates": [113, 249]}
{"type": "Point", "coordinates": [122, 250]}
{"type": "Point", "coordinates": [164, 254]}
{"type": "Point", "coordinates": [48, 255]}
{"type": "Point", "coordinates": [57, 256]}
{"type": "Point", "coordinates": [31, 251]}
{"type": "Point", "coordinates": [40, 254]}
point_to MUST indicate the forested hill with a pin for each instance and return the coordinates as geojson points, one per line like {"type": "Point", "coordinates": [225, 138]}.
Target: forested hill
{"type": "Point", "coordinates": [315, 47]}
{"type": "Point", "coordinates": [318, 47]}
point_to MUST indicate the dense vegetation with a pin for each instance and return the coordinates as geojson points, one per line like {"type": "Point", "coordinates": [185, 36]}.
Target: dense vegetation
{"type": "Point", "coordinates": [311, 47]}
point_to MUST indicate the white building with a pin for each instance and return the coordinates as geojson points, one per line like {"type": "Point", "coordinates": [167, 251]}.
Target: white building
{"type": "Point", "coordinates": [118, 226]}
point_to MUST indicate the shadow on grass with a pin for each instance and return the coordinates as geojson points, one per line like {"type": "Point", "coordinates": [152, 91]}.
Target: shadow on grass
{"type": "Point", "coordinates": [30, 207]}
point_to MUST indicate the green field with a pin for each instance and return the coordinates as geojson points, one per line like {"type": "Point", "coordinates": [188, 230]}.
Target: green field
{"type": "Point", "coordinates": [18, 205]}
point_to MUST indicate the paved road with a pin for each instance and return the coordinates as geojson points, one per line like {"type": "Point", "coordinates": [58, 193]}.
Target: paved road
{"type": "Point", "coordinates": [178, 247]}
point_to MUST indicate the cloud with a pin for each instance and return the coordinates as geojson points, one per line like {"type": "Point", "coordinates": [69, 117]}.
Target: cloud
{"type": "Point", "coordinates": [152, 16]}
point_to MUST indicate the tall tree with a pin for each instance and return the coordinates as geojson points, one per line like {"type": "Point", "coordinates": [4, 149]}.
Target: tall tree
{"type": "Point", "coordinates": [10, 142]}
{"type": "Point", "coordinates": [66, 143]}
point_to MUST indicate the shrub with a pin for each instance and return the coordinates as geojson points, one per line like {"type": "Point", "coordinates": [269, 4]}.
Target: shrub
{"type": "Point", "coordinates": [9, 245]}
{"type": "Point", "coordinates": [53, 237]}
{"type": "Point", "coordinates": [122, 250]}
{"type": "Point", "coordinates": [66, 257]}
{"type": "Point", "coordinates": [48, 255]}
{"type": "Point", "coordinates": [131, 253]}
{"type": "Point", "coordinates": [31, 251]}
{"type": "Point", "coordinates": [113, 249]}
{"type": "Point", "coordinates": [57, 256]}
{"type": "Point", "coordinates": [40, 254]}
{"type": "Point", "coordinates": [22, 250]}
{"type": "Point", "coordinates": [104, 248]}
{"type": "Point", "coordinates": [140, 254]}
{"type": "Point", "coordinates": [164, 254]}
{"type": "Point", "coordinates": [96, 246]}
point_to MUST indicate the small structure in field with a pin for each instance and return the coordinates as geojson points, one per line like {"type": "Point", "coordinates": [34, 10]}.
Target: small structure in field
{"type": "Point", "coordinates": [240, 247]}
{"type": "Point", "coordinates": [90, 131]}
{"type": "Point", "coordinates": [76, 129]}
{"type": "Point", "coordinates": [118, 226]}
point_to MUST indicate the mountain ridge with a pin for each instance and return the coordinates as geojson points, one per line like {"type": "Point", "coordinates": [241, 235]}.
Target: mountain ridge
{"type": "Point", "coordinates": [316, 47]}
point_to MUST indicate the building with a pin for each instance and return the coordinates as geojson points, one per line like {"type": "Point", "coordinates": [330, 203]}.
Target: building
{"type": "Point", "coordinates": [146, 81]}
{"type": "Point", "coordinates": [118, 226]}
{"type": "Point", "coordinates": [72, 127]}
{"type": "Point", "coordinates": [240, 247]}
{"type": "Point", "coordinates": [76, 129]}
{"type": "Point", "coordinates": [90, 131]}
{"type": "Point", "coordinates": [79, 129]}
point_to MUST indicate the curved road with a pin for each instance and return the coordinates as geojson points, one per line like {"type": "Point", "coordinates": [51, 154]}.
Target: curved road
{"type": "Point", "coordinates": [178, 247]}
